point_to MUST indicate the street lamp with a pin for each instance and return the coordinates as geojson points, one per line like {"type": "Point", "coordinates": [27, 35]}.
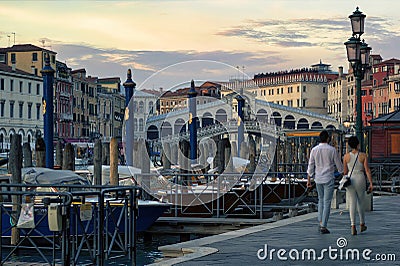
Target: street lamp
{"type": "Point", "coordinates": [358, 55]}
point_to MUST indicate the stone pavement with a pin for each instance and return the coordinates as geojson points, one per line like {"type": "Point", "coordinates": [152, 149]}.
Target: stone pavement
{"type": "Point", "coordinates": [299, 235]}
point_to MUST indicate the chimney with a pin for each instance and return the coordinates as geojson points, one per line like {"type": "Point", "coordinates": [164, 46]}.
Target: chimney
{"type": "Point", "coordinates": [33, 70]}
{"type": "Point", "coordinates": [340, 71]}
{"type": "Point", "coordinates": [13, 66]}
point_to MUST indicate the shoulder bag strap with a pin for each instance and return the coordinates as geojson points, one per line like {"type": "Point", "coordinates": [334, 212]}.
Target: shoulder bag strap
{"type": "Point", "coordinates": [354, 164]}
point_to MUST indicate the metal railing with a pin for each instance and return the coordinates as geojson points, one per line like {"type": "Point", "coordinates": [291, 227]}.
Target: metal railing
{"type": "Point", "coordinates": [109, 231]}
{"type": "Point", "coordinates": [228, 194]}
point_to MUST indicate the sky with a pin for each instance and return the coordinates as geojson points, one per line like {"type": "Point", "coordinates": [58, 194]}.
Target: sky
{"type": "Point", "coordinates": [168, 43]}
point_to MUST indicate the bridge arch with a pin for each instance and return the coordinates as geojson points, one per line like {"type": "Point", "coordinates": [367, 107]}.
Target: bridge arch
{"type": "Point", "coordinates": [316, 125]}
{"type": "Point", "coordinates": [289, 122]}
{"type": "Point", "coordinates": [179, 126]}
{"type": "Point", "coordinates": [303, 124]}
{"type": "Point", "coordinates": [207, 119]}
{"type": "Point", "coordinates": [332, 127]}
{"type": "Point", "coordinates": [166, 129]}
{"type": "Point", "coordinates": [221, 116]}
{"type": "Point", "coordinates": [276, 119]}
{"type": "Point", "coordinates": [262, 116]}
{"type": "Point", "coordinates": [152, 132]}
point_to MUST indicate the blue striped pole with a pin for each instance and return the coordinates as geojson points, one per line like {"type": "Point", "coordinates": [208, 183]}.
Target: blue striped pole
{"type": "Point", "coordinates": [48, 79]}
{"type": "Point", "coordinates": [192, 123]}
{"type": "Point", "coordinates": [129, 86]}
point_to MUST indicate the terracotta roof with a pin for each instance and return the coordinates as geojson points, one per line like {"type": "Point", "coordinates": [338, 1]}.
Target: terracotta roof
{"type": "Point", "coordinates": [154, 92]}
{"type": "Point", "coordinates": [81, 70]}
{"type": "Point", "coordinates": [210, 84]}
{"type": "Point", "coordinates": [6, 68]}
{"type": "Point", "coordinates": [26, 48]}
{"type": "Point", "coordinates": [376, 56]}
{"type": "Point", "coordinates": [112, 79]}
{"type": "Point", "coordinates": [388, 62]}
{"type": "Point", "coordinates": [179, 92]}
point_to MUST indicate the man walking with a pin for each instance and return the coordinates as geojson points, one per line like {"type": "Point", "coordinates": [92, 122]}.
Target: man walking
{"type": "Point", "coordinates": [321, 166]}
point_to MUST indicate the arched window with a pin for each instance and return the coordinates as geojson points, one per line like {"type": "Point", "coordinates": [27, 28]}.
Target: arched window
{"type": "Point", "coordinates": [151, 111]}
{"type": "Point", "coordinates": [141, 107]}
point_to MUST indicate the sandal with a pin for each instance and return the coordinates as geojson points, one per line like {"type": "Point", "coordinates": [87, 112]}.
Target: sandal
{"type": "Point", "coordinates": [353, 230]}
{"type": "Point", "coordinates": [363, 227]}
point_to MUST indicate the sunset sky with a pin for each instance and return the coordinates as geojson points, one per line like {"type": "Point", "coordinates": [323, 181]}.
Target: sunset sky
{"type": "Point", "coordinates": [216, 37]}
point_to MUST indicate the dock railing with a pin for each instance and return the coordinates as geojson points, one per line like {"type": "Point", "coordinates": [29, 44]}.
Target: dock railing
{"type": "Point", "coordinates": [229, 194]}
{"type": "Point", "coordinates": [94, 223]}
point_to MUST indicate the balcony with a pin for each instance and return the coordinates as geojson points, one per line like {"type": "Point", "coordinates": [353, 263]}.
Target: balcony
{"type": "Point", "coordinates": [66, 117]}
{"type": "Point", "coordinates": [397, 87]}
{"type": "Point", "coordinates": [368, 112]}
{"type": "Point", "coordinates": [65, 94]}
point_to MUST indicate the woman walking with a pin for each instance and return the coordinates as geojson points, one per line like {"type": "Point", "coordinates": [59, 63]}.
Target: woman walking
{"type": "Point", "coordinates": [356, 166]}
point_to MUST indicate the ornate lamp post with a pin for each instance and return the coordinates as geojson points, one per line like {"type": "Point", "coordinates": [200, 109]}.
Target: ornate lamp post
{"type": "Point", "coordinates": [358, 55]}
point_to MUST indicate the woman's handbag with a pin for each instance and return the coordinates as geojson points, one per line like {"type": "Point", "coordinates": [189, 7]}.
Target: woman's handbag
{"type": "Point", "coordinates": [346, 181]}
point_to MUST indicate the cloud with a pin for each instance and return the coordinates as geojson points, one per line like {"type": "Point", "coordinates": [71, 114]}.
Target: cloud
{"type": "Point", "coordinates": [176, 66]}
{"type": "Point", "coordinates": [288, 33]}
{"type": "Point", "coordinates": [382, 34]}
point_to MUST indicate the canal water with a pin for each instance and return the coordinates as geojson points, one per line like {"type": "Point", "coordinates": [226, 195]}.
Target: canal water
{"type": "Point", "coordinates": [147, 253]}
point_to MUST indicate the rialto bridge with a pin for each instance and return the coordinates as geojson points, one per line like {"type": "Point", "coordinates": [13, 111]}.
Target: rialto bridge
{"type": "Point", "coordinates": [217, 112]}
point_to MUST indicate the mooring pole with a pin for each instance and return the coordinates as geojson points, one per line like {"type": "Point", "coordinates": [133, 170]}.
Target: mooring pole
{"type": "Point", "coordinates": [16, 166]}
{"type": "Point", "coordinates": [240, 101]}
{"type": "Point", "coordinates": [129, 85]}
{"type": "Point", "coordinates": [48, 78]}
{"type": "Point", "coordinates": [193, 123]}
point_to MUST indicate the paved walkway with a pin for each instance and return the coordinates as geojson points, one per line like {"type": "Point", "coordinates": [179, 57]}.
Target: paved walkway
{"type": "Point", "coordinates": [300, 235]}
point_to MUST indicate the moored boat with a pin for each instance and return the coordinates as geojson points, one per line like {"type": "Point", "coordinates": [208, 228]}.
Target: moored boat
{"type": "Point", "coordinates": [44, 180]}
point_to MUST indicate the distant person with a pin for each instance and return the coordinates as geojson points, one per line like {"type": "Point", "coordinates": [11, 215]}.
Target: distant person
{"type": "Point", "coordinates": [321, 166]}
{"type": "Point", "coordinates": [356, 190]}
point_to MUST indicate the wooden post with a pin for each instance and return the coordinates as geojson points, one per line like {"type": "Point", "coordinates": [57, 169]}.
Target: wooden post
{"type": "Point", "coordinates": [107, 153]}
{"type": "Point", "coordinates": [114, 162]}
{"type": "Point", "coordinates": [166, 158]}
{"type": "Point", "coordinates": [145, 157]}
{"type": "Point", "coordinates": [202, 157]}
{"type": "Point", "coordinates": [174, 152]}
{"type": "Point", "coordinates": [244, 150]}
{"type": "Point", "coordinates": [234, 149]}
{"type": "Point", "coordinates": [184, 147]}
{"type": "Point", "coordinates": [221, 156]}
{"type": "Point", "coordinates": [40, 150]}
{"type": "Point", "coordinates": [228, 156]}
{"type": "Point", "coordinates": [27, 155]}
{"type": "Point", "coordinates": [59, 155]}
{"type": "Point", "coordinates": [135, 154]}
{"type": "Point", "coordinates": [252, 154]}
{"type": "Point", "coordinates": [206, 154]}
{"type": "Point", "coordinates": [97, 163]}
{"type": "Point", "coordinates": [68, 158]}
{"type": "Point", "coordinates": [16, 166]}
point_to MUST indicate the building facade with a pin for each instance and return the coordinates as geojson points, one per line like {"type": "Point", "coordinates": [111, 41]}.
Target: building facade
{"type": "Point", "coordinates": [27, 57]}
{"type": "Point", "coordinates": [394, 92]}
{"type": "Point", "coordinates": [144, 105]}
{"type": "Point", "coordinates": [382, 103]}
{"type": "Point", "coordinates": [63, 99]}
{"type": "Point", "coordinates": [20, 106]}
{"type": "Point", "coordinates": [305, 88]}
{"type": "Point", "coordinates": [175, 100]}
